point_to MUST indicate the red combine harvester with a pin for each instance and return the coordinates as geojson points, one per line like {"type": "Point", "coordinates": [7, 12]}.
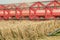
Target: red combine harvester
{"type": "Point", "coordinates": [34, 11]}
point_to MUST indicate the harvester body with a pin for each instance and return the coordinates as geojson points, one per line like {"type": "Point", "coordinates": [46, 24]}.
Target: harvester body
{"type": "Point", "coordinates": [36, 11]}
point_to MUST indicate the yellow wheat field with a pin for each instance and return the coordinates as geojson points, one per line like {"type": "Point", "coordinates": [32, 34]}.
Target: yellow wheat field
{"type": "Point", "coordinates": [27, 29]}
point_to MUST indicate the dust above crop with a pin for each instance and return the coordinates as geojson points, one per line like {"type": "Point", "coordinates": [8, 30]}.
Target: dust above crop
{"type": "Point", "coordinates": [27, 29]}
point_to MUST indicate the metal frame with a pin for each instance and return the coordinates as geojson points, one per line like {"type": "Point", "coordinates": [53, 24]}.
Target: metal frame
{"type": "Point", "coordinates": [55, 2]}
{"type": "Point", "coordinates": [33, 11]}
{"type": "Point", "coordinates": [33, 15]}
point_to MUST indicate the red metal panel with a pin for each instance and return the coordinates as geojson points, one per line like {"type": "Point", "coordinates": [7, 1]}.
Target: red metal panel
{"type": "Point", "coordinates": [48, 13]}
{"type": "Point", "coordinates": [1, 12]}
{"type": "Point", "coordinates": [12, 12]}
{"type": "Point", "coordinates": [6, 14]}
{"type": "Point", "coordinates": [56, 12]}
{"type": "Point", "coordinates": [2, 7]}
{"type": "Point", "coordinates": [53, 11]}
{"type": "Point", "coordinates": [40, 12]}
{"type": "Point", "coordinates": [31, 13]}
{"type": "Point", "coordinates": [35, 14]}
{"type": "Point", "coordinates": [18, 13]}
{"type": "Point", "coordinates": [24, 9]}
{"type": "Point", "coordinates": [25, 12]}
{"type": "Point", "coordinates": [11, 9]}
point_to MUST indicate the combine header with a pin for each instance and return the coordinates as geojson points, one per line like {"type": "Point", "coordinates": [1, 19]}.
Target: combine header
{"type": "Point", "coordinates": [37, 10]}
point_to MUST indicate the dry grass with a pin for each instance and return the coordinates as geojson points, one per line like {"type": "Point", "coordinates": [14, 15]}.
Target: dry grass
{"type": "Point", "coordinates": [27, 30]}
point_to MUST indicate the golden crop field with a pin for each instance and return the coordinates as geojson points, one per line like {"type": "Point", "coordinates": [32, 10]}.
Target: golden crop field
{"type": "Point", "coordinates": [28, 30]}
